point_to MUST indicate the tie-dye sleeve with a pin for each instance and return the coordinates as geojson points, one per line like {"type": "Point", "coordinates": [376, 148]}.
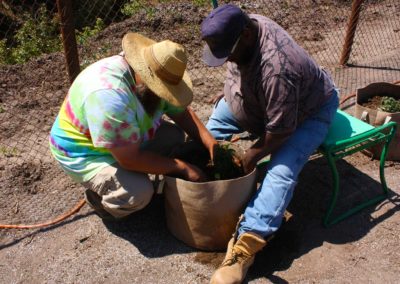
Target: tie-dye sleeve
{"type": "Point", "coordinates": [112, 119]}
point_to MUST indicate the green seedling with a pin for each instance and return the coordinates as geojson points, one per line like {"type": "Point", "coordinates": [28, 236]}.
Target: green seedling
{"type": "Point", "coordinates": [8, 152]}
{"type": "Point", "coordinates": [226, 164]}
{"type": "Point", "coordinates": [390, 104]}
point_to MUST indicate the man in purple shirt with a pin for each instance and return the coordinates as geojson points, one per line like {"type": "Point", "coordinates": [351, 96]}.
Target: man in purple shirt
{"type": "Point", "coordinates": [277, 92]}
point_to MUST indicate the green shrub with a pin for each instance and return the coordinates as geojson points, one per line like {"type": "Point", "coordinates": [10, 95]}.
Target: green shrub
{"type": "Point", "coordinates": [201, 3]}
{"type": "Point", "coordinates": [132, 7]}
{"type": "Point", "coordinates": [92, 57]}
{"type": "Point", "coordinates": [136, 6]}
{"type": "Point", "coordinates": [83, 36]}
{"type": "Point", "coordinates": [390, 104]}
{"type": "Point", "coordinates": [5, 53]}
{"type": "Point", "coordinates": [38, 34]}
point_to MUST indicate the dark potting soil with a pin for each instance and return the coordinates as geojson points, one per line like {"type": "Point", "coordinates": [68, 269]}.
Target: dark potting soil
{"type": "Point", "coordinates": [375, 102]}
{"type": "Point", "coordinates": [226, 165]}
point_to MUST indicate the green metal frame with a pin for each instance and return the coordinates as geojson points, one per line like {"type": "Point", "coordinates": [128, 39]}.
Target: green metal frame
{"type": "Point", "coordinates": [342, 147]}
{"type": "Point", "coordinates": [345, 147]}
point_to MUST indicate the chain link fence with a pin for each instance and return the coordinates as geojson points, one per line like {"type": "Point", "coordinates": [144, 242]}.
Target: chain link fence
{"type": "Point", "coordinates": [44, 44]}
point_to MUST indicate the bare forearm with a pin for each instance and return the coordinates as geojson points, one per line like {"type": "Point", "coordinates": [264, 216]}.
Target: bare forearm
{"type": "Point", "coordinates": [152, 163]}
{"type": "Point", "coordinates": [263, 147]}
{"type": "Point", "coordinates": [132, 158]}
{"type": "Point", "coordinates": [192, 125]}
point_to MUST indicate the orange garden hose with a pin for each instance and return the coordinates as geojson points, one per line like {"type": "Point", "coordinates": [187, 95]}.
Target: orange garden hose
{"type": "Point", "coordinates": [48, 223]}
{"type": "Point", "coordinates": [346, 98]}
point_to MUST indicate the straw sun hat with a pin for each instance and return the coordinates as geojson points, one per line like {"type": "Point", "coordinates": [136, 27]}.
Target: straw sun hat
{"type": "Point", "coordinates": [161, 66]}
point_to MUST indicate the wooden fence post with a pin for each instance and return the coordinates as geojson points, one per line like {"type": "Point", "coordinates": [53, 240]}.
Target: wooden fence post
{"type": "Point", "coordinates": [68, 37]}
{"type": "Point", "coordinates": [351, 31]}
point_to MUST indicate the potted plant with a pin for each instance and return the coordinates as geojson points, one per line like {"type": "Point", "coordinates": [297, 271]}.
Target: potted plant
{"type": "Point", "coordinates": [204, 214]}
{"type": "Point", "coordinates": [376, 104]}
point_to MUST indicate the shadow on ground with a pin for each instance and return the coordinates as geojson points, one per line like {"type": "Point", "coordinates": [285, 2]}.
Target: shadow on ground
{"type": "Point", "coordinates": [147, 229]}
{"type": "Point", "coordinates": [304, 231]}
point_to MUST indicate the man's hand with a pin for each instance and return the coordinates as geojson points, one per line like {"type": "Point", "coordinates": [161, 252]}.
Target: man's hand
{"type": "Point", "coordinates": [249, 162]}
{"type": "Point", "coordinates": [263, 147]}
{"type": "Point", "coordinates": [194, 174]}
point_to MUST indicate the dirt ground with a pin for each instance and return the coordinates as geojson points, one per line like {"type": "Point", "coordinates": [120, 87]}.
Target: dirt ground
{"type": "Point", "coordinates": [84, 249]}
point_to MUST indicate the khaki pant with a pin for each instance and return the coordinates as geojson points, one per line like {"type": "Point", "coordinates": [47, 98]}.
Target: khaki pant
{"type": "Point", "coordinates": [124, 192]}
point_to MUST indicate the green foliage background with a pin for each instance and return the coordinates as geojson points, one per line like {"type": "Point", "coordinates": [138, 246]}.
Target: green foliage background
{"type": "Point", "coordinates": [38, 32]}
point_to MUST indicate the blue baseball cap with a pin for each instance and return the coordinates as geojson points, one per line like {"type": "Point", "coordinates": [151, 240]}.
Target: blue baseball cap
{"type": "Point", "coordinates": [222, 29]}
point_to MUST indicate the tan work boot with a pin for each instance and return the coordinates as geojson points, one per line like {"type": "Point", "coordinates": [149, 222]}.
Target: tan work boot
{"type": "Point", "coordinates": [239, 257]}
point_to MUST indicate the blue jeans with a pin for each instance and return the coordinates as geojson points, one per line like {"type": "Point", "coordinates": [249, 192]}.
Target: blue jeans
{"type": "Point", "coordinates": [263, 215]}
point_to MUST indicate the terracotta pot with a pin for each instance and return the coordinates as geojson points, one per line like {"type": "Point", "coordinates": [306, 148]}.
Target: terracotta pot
{"type": "Point", "coordinates": [378, 117]}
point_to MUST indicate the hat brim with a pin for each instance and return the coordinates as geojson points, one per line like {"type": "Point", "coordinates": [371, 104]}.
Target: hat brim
{"type": "Point", "coordinates": [180, 95]}
{"type": "Point", "coordinates": [211, 60]}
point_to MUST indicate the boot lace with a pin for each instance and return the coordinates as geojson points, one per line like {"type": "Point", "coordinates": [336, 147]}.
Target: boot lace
{"type": "Point", "coordinates": [236, 257]}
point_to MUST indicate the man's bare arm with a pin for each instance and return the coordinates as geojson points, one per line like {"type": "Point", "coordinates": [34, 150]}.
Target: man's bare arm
{"type": "Point", "coordinates": [133, 158]}
{"type": "Point", "coordinates": [192, 125]}
{"type": "Point", "coordinates": [263, 147]}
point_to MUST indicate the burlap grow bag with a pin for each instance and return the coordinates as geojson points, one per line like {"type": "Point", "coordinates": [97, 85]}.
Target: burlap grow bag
{"type": "Point", "coordinates": [377, 117]}
{"type": "Point", "coordinates": [204, 215]}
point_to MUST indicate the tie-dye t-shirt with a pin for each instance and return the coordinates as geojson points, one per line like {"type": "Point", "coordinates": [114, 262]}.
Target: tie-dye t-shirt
{"type": "Point", "coordinates": [101, 111]}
